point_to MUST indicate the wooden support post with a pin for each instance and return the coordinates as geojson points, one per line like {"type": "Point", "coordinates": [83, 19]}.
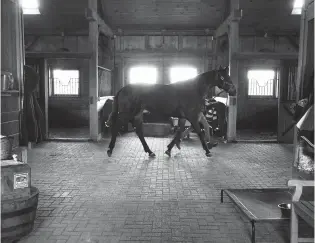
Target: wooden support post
{"type": "Point", "coordinates": [93, 77]}
{"type": "Point", "coordinates": [233, 65]}
{"type": "Point", "coordinates": [92, 15]}
{"type": "Point", "coordinates": [46, 95]}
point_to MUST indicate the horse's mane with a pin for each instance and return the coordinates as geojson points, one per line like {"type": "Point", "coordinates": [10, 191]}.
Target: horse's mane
{"type": "Point", "coordinates": [202, 77]}
{"type": "Point", "coordinates": [205, 75]}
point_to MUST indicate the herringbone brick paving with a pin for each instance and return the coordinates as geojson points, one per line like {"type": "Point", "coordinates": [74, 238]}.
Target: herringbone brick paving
{"type": "Point", "coordinates": [87, 197]}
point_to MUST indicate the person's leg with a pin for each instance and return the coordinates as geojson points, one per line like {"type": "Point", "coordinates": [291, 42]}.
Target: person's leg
{"type": "Point", "coordinates": [186, 132]}
{"type": "Point", "coordinates": [205, 124]}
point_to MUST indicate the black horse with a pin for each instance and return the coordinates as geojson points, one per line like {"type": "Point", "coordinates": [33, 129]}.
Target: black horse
{"type": "Point", "coordinates": [183, 100]}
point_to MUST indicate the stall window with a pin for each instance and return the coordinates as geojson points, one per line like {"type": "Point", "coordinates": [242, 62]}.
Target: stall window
{"type": "Point", "coordinates": [182, 73]}
{"type": "Point", "coordinates": [143, 75]}
{"type": "Point", "coordinates": [64, 83]}
{"type": "Point", "coordinates": [262, 83]}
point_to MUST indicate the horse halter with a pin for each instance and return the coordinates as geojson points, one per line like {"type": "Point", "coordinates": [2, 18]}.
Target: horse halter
{"type": "Point", "coordinates": [226, 85]}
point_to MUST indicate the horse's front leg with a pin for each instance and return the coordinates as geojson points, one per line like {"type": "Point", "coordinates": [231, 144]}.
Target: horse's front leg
{"type": "Point", "coordinates": [195, 123]}
{"type": "Point", "coordinates": [115, 126]}
{"type": "Point", "coordinates": [177, 137]}
{"type": "Point", "coordinates": [138, 122]}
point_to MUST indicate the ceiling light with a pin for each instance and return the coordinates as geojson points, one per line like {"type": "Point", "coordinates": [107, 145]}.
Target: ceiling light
{"type": "Point", "coordinates": [297, 7]}
{"type": "Point", "coordinates": [30, 6]}
{"type": "Point", "coordinates": [29, 3]}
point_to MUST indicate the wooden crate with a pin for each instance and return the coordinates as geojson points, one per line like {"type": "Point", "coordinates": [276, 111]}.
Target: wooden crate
{"type": "Point", "coordinates": [156, 129]}
{"type": "Point", "coordinates": [15, 180]}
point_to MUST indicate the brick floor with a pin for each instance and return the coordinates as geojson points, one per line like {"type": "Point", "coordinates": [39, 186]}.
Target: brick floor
{"type": "Point", "coordinates": [87, 197]}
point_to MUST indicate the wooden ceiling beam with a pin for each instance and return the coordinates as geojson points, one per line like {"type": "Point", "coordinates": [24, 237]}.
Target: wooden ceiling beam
{"type": "Point", "coordinates": [265, 55]}
{"type": "Point", "coordinates": [175, 32]}
{"type": "Point", "coordinates": [65, 55]}
{"type": "Point", "coordinates": [235, 15]}
{"type": "Point", "coordinates": [166, 53]}
{"type": "Point", "coordinates": [92, 15]}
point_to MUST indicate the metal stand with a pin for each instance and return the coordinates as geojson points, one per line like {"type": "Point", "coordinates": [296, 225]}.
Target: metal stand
{"type": "Point", "coordinates": [253, 231]}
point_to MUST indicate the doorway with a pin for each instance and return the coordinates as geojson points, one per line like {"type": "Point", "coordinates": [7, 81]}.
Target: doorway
{"type": "Point", "coordinates": [68, 106]}
{"type": "Point", "coordinates": [258, 107]}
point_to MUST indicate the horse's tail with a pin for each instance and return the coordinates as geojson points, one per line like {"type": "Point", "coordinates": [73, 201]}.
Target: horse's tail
{"type": "Point", "coordinates": [113, 115]}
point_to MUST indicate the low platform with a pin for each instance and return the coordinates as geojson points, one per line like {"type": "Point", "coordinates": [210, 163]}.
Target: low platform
{"type": "Point", "coordinates": [259, 204]}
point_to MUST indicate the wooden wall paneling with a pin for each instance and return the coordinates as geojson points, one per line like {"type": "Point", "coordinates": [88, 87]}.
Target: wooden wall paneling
{"type": "Point", "coordinates": [171, 42]}
{"type": "Point", "coordinates": [155, 42]}
{"type": "Point", "coordinates": [12, 61]}
{"type": "Point", "coordinates": [190, 42]}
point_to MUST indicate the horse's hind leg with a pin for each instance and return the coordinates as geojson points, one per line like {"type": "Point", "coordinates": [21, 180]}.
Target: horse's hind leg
{"type": "Point", "coordinates": [138, 122]}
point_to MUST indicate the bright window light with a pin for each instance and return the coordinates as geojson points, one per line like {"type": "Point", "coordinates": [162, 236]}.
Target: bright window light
{"type": "Point", "coordinates": [65, 82]}
{"type": "Point", "coordinates": [261, 82]}
{"type": "Point", "coordinates": [30, 6]}
{"type": "Point", "coordinates": [178, 74]}
{"type": "Point", "coordinates": [297, 6]}
{"type": "Point", "coordinates": [143, 75]}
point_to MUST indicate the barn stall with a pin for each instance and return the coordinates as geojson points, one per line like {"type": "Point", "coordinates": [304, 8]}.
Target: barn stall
{"type": "Point", "coordinates": [258, 44]}
{"type": "Point", "coordinates": [84, 51]}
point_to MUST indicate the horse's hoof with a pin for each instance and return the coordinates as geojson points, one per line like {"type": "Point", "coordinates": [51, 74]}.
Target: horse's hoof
{"type": "Point", "coordinates": [109, 153]}
{"type": "Point", "coordinates": [168, 153]}
{"type": "Point", "coordinates": [152, 155]}
{"type": "Point", "coordinates": [208, 154]}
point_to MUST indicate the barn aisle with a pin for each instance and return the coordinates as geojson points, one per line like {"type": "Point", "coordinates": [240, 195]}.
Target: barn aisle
{"type": "Point", "coordinates": [87, 197]}
{"type": "Point", "coordinates": [69, 133]}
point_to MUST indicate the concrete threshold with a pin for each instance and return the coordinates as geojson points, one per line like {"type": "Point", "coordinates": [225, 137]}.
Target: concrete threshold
{"type": "Point", "coordinates": [257, 141]}
{"type": "Point", "coordinates": [69, 139]}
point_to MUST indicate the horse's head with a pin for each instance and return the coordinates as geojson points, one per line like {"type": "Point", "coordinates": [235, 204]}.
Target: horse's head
{"type": "Point", "coordinates": [223, 81]}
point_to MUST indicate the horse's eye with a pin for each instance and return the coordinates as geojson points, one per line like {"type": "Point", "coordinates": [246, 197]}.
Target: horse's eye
{"type": "Point", "coordinates": [222, 78]}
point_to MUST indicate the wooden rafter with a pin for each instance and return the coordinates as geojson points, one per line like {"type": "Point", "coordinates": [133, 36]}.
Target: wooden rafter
{"type": "Point", "coordinates": [235, 15]}
{"type": "Point", "coordinates": [92, 15]}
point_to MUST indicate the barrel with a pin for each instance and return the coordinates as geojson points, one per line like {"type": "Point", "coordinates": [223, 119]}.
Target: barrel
{"type": "Point", "coordinates": [18, 216]}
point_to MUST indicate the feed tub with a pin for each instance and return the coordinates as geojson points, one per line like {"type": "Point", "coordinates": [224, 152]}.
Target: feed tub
{"type": "Point", "coordinates": [156, 129]}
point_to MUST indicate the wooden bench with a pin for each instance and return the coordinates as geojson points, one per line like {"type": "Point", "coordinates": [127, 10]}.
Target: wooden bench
{"type": "Point", "coordinates": [302, 208]}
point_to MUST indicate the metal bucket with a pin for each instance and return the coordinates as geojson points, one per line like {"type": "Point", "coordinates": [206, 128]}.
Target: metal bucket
{"type": "Point", "coordinates": [6, 81]}
{"type": "Point", "coordinates": [6, 147]}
